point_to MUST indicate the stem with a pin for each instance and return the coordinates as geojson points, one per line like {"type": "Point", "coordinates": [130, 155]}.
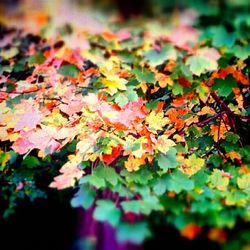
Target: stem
{"type": "Point", "coordinates": [206, 121]}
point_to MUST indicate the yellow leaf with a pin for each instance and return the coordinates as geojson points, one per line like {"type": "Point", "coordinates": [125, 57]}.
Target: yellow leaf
{"type": "Point", "coordinates": [206, 110]}
{"type": "Point", "coordinates": [192, 165]}
{"type": "Point", "coordinates": [163, 80]}
{"type": "Point", "coordinates": [163, 144]}
{"type": "Point", "coordinates": [156, 121]}
{"type": "Point", "coordinates": [55, 119]}
{"type": "Point", "coordinates": [5, 158]}
{"type": "Point", "coordinates": [14, 136]}
{"type": "Point", "coordinates": [244, 181]}
{"type": "Point", "coordinates": [133, 164]}
{"type": "Point", "coordinates": [114, 83]}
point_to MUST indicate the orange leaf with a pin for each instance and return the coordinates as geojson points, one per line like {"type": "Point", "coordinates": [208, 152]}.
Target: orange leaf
{"type": "Point", "coordinates": [234, 155]}
{"type": "Point", "coordinates": [190, 231]}
{"type": "Point", "coordinates": [218, 132]}
{"type": "Point", "coordinates": [217, 234]}
{"type": "Point", "coordinates": [237, 74]}
{"type": "Point", "coordinates": [133, 164]}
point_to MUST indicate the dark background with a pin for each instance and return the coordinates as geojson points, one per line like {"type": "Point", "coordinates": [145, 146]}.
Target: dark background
{"type": "Point", "coordinates": [51, 224]}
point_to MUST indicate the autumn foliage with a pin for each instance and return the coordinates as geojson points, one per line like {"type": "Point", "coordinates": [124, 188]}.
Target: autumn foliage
{"type": "Point", "coordinates": [158, 116]}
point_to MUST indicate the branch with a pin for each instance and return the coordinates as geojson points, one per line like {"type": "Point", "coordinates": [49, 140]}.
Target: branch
{"type": "Point", "coordinates": [206, 121]}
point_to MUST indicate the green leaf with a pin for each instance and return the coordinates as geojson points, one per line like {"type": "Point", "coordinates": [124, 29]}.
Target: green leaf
{"type": "Point", "coordinates": [241, 52]}
{"type": "Point", "coordinates": [177, 89]}
{"type": "Point", "coordinates": [173, 205]}
{"type": "Point", "coordinates": [142, 176]}
{"type": "Point", "coordinates": [200, 178]}
{"type": "Point", "coordinates": [107, 211]}
{"type": "Point", "coordinates": [93, 180]}
{"type": "Point", "coordinates": [204, 206]}
{"type": "Point", "coordinates": [232, 137]}
{"type": "Point", "coordinates": [168, 160]}
{"type": "Point", "coordinates": [131, 94]}
{"type": "Point", "coordinates": [84, 197]}
{"type": "Point", "coordinates": [145, 206]}
{"type": "Point", "coordinates": [237, 198]}
{"type": "Point", "coordinates": [160, 186]}
{"type": "Point", "coordinates": [37, 58]}
{"type": "Point", "coordinates": [30, 162]}
{"type": "Point", "coordinates": [159, 57]}
{"type": "Point", "coordinates": [215, 159]}
{"type": "Point", "coordinates": [220, 37]}
{"type": "Point", "coordinates": [144, 75]}
{"type": "Point", "coordinates": [136, 232]}
{"type": "Point", "coordinates": [107, 173]}
{"type": "Point", "coordinates": [68, 70]}
{"type": "Point", "coordinates": [224, 87]}
{"type": "Point", "coordinates": [121, 99]}
{"type": "Point", "coordinates": [200, 64]}
{"type": "Point", "coordinates": [177, 182]}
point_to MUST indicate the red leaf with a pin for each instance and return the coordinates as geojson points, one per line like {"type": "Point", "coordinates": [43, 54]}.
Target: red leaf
{"type": "Point", "coordinates": [184, 82]}
{"type": "Point", "coordinates": [109, 158]}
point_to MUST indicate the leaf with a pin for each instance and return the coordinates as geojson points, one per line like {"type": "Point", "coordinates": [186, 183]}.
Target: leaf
{"type": "Point", "coordinates": [28, 119]}
{"type": "Point", "coordinates": [107, 173]}
{"type": "Point", "coordinates": [217, 235]}
{"type": "Point", "coordinates": [221, 37]}
{"type": "Point", "coordinates": [83, 198]}
{"type": "Point", "coordinates": [232, 137]}
{"type": "Point", "coordinates": [131, 94]}
{"type": "Point", "coordinates": [70, 173]}
{"type": "Point", "coordinates": [241, 52]}
{"type": "Point", "coordinates": [218, 181]}
{"type": "Point", "coordinates": [160, 186]}
{"type": "Point", "coordinates": [4, 158]}
{"type": "Point", "coordinates": [124, 117]}
{"type": "Point", "coordinates": [107, 211]}
{"type": "Point", "coordinates": [243, 183]}
{"type": "Point", "coordinates": [200, 64]}
{"type": "Point", "coordinates": [158, 57]}
{"type": "Point", "coordinates": [114, 83]}
{"type": "Point", "coordinates": [133, 163]}
{"type": "Point", "coordinates": [224, 87]}
{"type": "Point", "coordinates": [69, 70]}
{"type": "Point", "coordinates": [163, 144]}
{"type": "Point", "coordinates": [192, 165]}
{"type": "Point", "coordinates": [37, 58]}
{"type": "Point", "coordinates": [109, 158]}
{"type": "Point", "coordinates": [30, 162]}
{"type": "Point", "coordinates": [136, 232]}
{"type": "Point", "coordinates": [190, 231]}
{"type": "Point", "coordinates": [121, 99]}
{"type": "Point", "coordinates": [142, 176]}
{"type": "Point", "coordinates": [237, 198]}
{"type": "Point", "coordinates": [218, 132]}
{"type": "Point", "coordinates": [168, 160]}
{"type": "Point", "coordinates": [156, 121]}
{"type": "Point", "coordinates": [184, 36]}
{"type": "Point", "coordinates": [145, 206]}
{"type": "Point", "coordinates": [177, 182]}
{"type": "Point", "coordinates": [144, 75]}
{"type": "Point", "coordinates": [205, 206]}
